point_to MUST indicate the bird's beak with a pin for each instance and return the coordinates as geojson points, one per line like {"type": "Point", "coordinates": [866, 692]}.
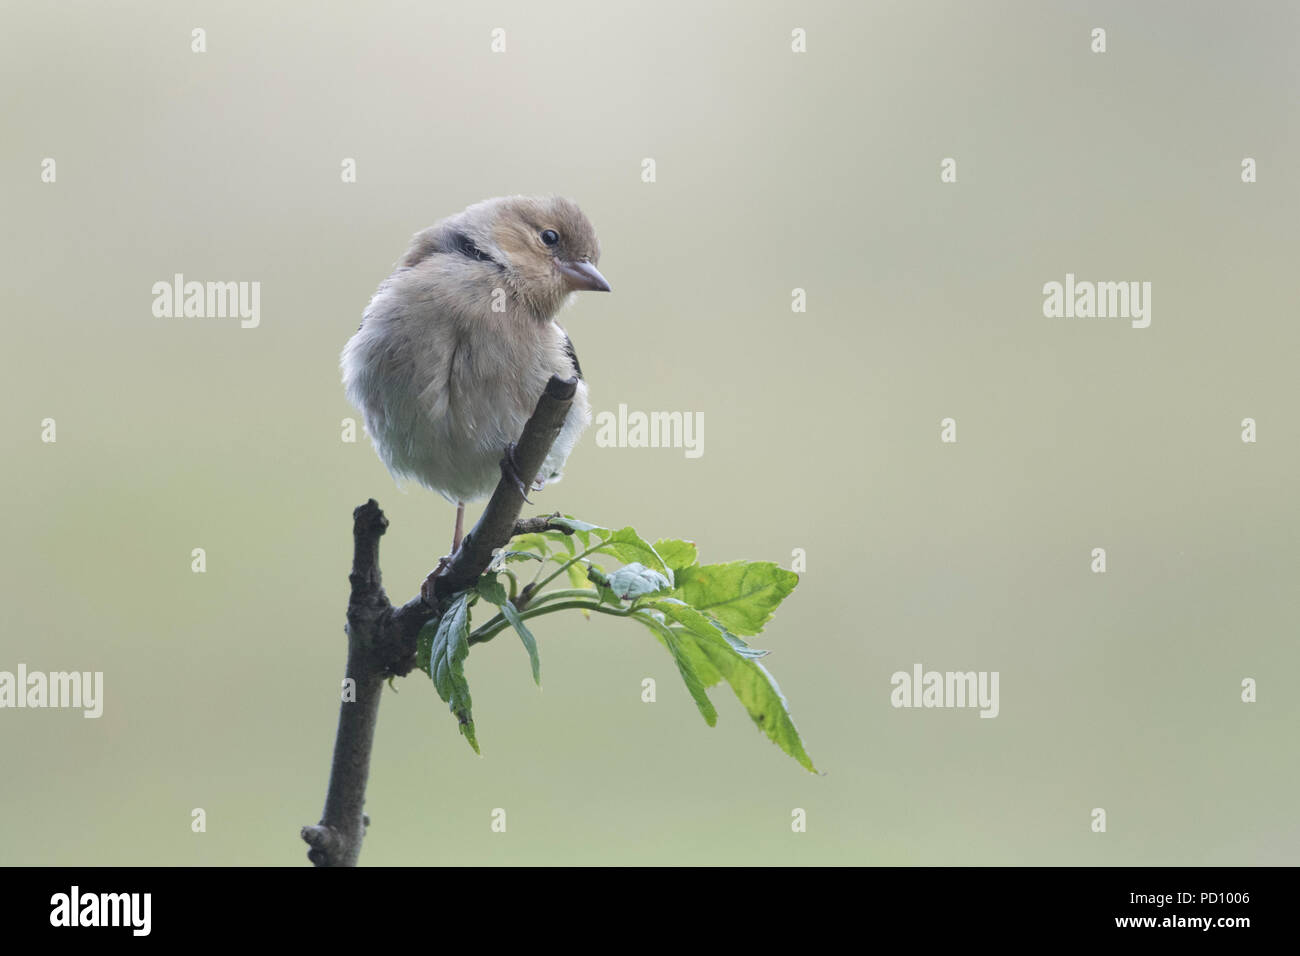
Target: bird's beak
{"type": "Point", "coordinates": [581, 275]}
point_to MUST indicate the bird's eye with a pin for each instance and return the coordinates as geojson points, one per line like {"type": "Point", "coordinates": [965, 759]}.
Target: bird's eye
{"type": "Point", "coordinates": [550, 237]}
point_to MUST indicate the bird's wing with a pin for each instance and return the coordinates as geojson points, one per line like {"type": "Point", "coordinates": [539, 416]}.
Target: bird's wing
{"type": "Point", "coordinates": [462, 244]}
{"type": "Point", "coordinates": [568, 350]}
{"type": "Point", "coordinates": [444, 238]}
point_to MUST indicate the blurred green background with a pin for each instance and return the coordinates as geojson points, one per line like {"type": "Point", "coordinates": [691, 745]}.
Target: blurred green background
{"type": "Point", "coordinates": [775, 170]}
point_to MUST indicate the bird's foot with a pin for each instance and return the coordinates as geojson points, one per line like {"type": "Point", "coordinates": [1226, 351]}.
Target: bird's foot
{"type": "Point", "coordinates": [427, 592]}
{"type": "Point", "coordinates": [510, 469]}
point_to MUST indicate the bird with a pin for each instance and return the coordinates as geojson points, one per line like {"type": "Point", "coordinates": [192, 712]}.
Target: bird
{"type": "Point", "coordinates": [459, 342]}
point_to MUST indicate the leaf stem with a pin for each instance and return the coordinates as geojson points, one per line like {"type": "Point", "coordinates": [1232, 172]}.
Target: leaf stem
{"type": "Point", "coordinates": [490, 629]}
{"type": "Point", "coordinates": [563, 566]}
{"type": "Point", "coordinates": [514, 582]}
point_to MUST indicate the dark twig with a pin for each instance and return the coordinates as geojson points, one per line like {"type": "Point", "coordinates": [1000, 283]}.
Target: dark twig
{"type": "Point", "coordinates": [538, 525]}
{"type": "Point", "coordinates": [381, 640]}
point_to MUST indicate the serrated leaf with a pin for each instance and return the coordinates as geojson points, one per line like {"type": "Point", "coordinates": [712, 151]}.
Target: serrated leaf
{"type": "Point", "coordinates": [511, 557]}
{"type": "Point", "coordinates": [490, 588]}
{"type": "Point", "coordinates": [738, 664]}
{"type": "Point", "coordinates": [448, 648]}
{"type": "Point", "coordinates": [700, 662]}
{"type": "Point", "coordinates": [530, 643]}
{"type": "Point", "coordinates": [758, 691]}
{"type": "Point", "coordinates": [677, 646]}
{"type": "Point", "coordinates": [581, 529]}
{"type": "Point", "coordinates": [561, 538]}
{"type": "Point", "coordinates": [530, 542]}
{"type": "Point", "coordinates": [693, 683]}
{"type": "Point", "coordinates": [677, 554]}
{"type": "Point", "coordinates": [424, 645]}
{"type": "Point", "coordinates": [741, 594]}
{"type": "Point", "coordinates": [702, 625]}
{"type": "Point", "coordinates": [628, 546]}
{"type": "Point", "coordinates": [709, 675]}
{"type": "Point", "coordinates": [634, 580]}
{"type": "Point", "coordinates": [577, 573]}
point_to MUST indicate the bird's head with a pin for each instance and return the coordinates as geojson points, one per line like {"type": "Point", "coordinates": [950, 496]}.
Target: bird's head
{"type": "Point", "coordinates": [546, 247]}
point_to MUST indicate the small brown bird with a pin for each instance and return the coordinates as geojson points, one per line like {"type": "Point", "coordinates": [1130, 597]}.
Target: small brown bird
{"type": "Point", "coordinates": [459, 342]}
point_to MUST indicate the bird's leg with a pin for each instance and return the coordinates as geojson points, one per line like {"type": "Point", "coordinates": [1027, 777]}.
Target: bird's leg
{"type": "Point", "coordinates": [459, 534]}
{"type": "Point", "coordinates": [510, 469]}
{"type": "Point", "coordinates": [427, 588]}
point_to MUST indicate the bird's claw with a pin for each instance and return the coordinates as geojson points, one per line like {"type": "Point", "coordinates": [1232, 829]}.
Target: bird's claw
{"type": "Point", "coordinates": [427, 590]}
{"type": "Point", "coordinates": [510, 469]}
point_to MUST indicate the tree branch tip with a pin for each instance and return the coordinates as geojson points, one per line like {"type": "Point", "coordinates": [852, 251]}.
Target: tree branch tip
{"type": "Point", "coordinates": [369, 517]}
{"type": "Point", "coordinates": [562, 389]}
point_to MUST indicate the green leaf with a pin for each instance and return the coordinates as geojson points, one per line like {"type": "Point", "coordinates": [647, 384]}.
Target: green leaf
{"type": "Point", "coordinates": [738, 664]}
{"type": "Point", "coordinates": [677, 554]}
{"type": "Point", "coordinates": [510, 557]}
{"type": "Point", "coordinates": [634, 580]}
{"type": "Point", "coordinates": [597, 577]}
{"type": "Point", "coordinates": [491, 589]}
{"type": "Point", "coordinates": [741, 594]}
{"type": "Point", "coordinates": [758, 691]}
{"type": "Point", "coordinates": [582, 529]}
{"type": "Point", "coordinates": [560, 537]}
{"type": "Point", "coordinates": [693, 683]}
{"type": "Point", "coordinates": [709, 675]}
{"type": "Point", "coordinates": [530, 542]}
{"type": "Point", "coordinates": [577, 524]}
{"type": "Point", "coordinates": [577, 572]}
{"type": "Point", "coordinates": [530, 643]}
{"type": "Point", "coordinates": [676, 642]}
{"type": "Point", "coordinates": [424, 645]}
{"type": "Point", "coordinates": [628, 546]}
{"type": "Point", "coordinates": [697, 624]}
{"type": "Point", "coordinates": [448, 647]}
{"type": "Point", "coordinates": [701, 625]}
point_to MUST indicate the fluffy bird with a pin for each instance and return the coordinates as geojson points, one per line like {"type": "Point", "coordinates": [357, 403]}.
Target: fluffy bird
{"type": "Point", "coordinates": [459, 342]}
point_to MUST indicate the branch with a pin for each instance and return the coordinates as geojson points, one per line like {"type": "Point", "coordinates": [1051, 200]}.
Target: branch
{"type": "Point", "coordinates": [538, 525]}
{"type": "Point", "coordinates": [381, 640]}
{"type": "Point", "coordinates": [336, 841]}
